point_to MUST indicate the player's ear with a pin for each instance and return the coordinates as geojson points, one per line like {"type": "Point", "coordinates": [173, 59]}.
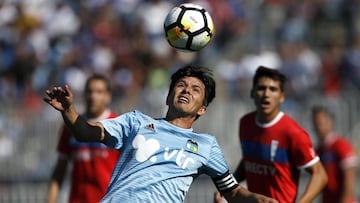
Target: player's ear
{"type": "Point", "coordinates": [252, 93]}
{"type": "Point", "coordinates": [202, 110]}
{"type": "Point", "coordinates": [282, 98]}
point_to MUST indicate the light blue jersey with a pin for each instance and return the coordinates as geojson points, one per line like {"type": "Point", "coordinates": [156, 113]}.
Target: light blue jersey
{"type": "Point", "coordinates": [159, 160]}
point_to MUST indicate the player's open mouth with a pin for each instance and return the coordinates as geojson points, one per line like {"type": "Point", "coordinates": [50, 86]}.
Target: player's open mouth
{"type": "Point", "coordinates": [183, 99]}
{"type": "Point", "coordinates": [265, 103]}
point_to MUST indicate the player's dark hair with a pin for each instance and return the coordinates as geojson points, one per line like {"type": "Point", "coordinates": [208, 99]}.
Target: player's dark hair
{"type": "Point", "coordinates": [202, 73]}
{"type": "Point", "coordinates": [101, 77]}
{"type": "Point", "coordinates": [274, 74]}
{"type": "Point", "coordinates": [322, 109]}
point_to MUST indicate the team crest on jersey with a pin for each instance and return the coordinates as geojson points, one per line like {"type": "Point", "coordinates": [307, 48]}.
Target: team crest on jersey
{"type": "Point", "coordinates": [192, 145]}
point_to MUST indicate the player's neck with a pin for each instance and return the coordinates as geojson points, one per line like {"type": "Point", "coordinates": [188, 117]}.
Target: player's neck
{"type": "Point", "coordinates": [266, 118]}
{"type": "Point", "coordinates": [180, 121]}
{"type": "Point", "coordinates": [97, 114]}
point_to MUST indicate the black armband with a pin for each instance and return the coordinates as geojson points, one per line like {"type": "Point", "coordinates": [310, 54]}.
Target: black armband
{"type": "Point", "coordinates": [109, 140]}
{"type": "Point", "coordinates": [225, 183]}
{"type": "Point", "coordinates": [84, 132]}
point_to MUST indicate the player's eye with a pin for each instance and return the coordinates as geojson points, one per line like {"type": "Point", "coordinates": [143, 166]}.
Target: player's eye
{"type": "Point", "coordinates": [274, 89]}
{"type": "Point", "coordinates": [180, 84]}
{"type": "Point", "coordinates": [260, 88]}
{"type": "Point", "coordinates": [196, 89]}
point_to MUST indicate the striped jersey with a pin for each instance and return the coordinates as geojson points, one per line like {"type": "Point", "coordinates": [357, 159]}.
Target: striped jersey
{"type": "Point", "coordinates": [337, 154]}
{"type": "Point", "coordinates": [159, 160]}
{"type": "Point", "coordinates": [273, 153]}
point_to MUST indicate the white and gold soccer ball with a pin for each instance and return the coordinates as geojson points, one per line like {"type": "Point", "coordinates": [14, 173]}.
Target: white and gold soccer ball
{"type": "Point", "coordinates": [188, 27]}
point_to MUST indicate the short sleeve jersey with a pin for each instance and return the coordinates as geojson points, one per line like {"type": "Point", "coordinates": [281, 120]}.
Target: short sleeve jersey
{"type": "Point", "coordinates": [273, 153]}
{"type": "Point", "coordinates": [159, 160]}
{"type": "Point", "coordinates": [336, 154]}
{"type": "Point", "coordinates": [93, 164]}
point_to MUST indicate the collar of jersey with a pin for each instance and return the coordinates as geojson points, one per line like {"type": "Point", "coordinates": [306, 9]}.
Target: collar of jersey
{"type": "Point", "coordinates": [165, 122]}
{"type": "Point", "coordinates": [271, 123]}
{"type": "Point", "coordinates": [103, 116]}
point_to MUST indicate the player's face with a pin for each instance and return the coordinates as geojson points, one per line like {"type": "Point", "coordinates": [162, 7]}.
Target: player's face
{"type": "Point", "coordinates": [322, 124]}
{"type": "Point", "coordinates": [267, 96]}
{"type": "Point", "coordinates": [97, 97]}
{"type": "Point", "coordinates": [187, 97]}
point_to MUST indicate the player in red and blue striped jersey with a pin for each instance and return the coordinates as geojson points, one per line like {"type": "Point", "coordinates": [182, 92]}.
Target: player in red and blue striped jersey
{"type": "Point", "coordinates": [338, 156]}
{"type": "Point", "coordinates": [275, 148]}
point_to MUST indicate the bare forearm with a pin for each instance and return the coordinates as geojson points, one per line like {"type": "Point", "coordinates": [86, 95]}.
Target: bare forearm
{"type": "Point", "coordinates": [53, 192]}
{"type": "Point", "coordinates": [349, 184]}
{"type": "Point", "coordinates": [315, 185]}
{"type": "Point", "coordinates": [312, 190]}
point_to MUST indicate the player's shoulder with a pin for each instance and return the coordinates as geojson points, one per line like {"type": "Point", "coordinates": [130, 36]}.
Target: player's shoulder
{"type": "Point", "coordinates": [140, 117]}
{"type": "Point", "coordinates": [248, 117]}
{"type": "Point", "coordinates": [287, 120]}
{"type": "Point", "coordinates": [341, 142]}
{"type": "Point", "coordinates": [112, 114]}
{"type": "Point", "coordinates": [139, 114]}
{"type": "Point", "coordinates": [207, 136]}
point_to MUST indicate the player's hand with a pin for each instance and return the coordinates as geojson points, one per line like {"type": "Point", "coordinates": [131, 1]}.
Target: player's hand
{"type": "Point", "coordinates": [265, 199]}
{"type": "Point", "coordinates": [218, 198]}
{"type": "Point", "coordinates": [61, 98]}
{"type": "Point", "coordinates": [258, 198]}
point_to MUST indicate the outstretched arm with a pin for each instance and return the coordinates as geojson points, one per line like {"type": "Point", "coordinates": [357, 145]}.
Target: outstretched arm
{"type": "Point", "coordinates": [61, 99]}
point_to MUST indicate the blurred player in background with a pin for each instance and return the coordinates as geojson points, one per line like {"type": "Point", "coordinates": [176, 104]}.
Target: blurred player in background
{"type": "Point", "coordinates": [338, 157]}
{"type": "Point", "coordinates": [93, 162]}
{"type": "Point", "coordinates": [274, 147]}
{"type": "Point", "coordinates": [159, 157]}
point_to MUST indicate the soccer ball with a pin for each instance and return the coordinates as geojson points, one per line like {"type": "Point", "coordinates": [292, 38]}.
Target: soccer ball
{"type": "Point", "coordinates": [188, 27]}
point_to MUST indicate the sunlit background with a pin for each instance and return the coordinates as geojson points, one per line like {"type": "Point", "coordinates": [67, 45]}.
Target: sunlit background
{"type": "Point", "coordinates": [43, 43]}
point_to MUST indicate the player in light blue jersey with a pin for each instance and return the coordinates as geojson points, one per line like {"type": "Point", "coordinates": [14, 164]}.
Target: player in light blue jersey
{"type": "Point", "coordinates": [160, 157]}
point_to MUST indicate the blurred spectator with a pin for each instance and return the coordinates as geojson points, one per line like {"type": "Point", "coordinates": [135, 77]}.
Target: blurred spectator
{"type": "Point", "coordinates": [152, 14]}
{"type": "Point", "coordinates": [332, 72]}
{"type": "Point", "coordinates": [238, 72]}
{"type": "Point", "coordinates": [352, 63]}
{"type": "Point", "coordinates": [6, 144]}
{"type": "Point", "coordinates": [60, 21]}
{"type": "Point", "coordinates": [118, 38]}
{"type": "Point", "coordinates": [302, 66]}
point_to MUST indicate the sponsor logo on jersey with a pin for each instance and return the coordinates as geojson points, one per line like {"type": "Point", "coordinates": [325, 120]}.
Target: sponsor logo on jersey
{"type": "Point", "coordinates": [259, 169]}
{"type": "Point", "coordinates": [147, 148]}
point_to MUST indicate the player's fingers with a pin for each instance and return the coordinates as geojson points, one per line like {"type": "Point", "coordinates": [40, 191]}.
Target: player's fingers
{"type": "Point", "coordinates": [59, 92]}
{"type": "Point", "coordinates": [67, 90]}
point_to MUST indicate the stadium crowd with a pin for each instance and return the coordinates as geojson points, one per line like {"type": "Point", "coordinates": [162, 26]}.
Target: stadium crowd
{"type": "Point", "coordinates": [315, 43]}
